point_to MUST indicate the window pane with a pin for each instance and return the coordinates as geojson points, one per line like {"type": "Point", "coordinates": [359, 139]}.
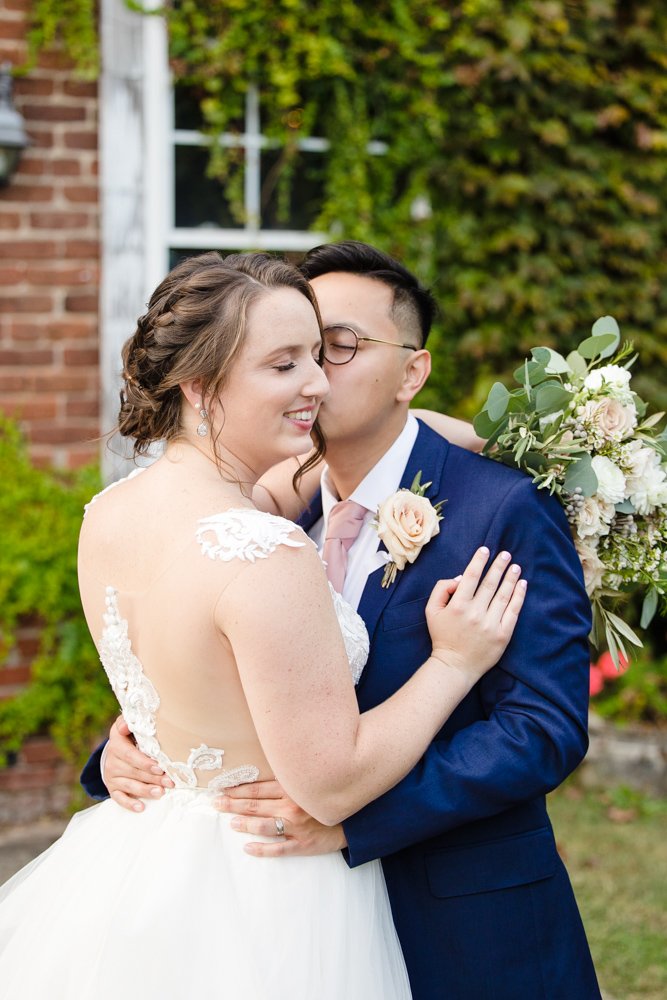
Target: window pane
{"type": "Point", "coordinates": [295, 205]}
{"type": "Point", "coordinates": [177, 255]}
{"type": "Point", "coordinates": [200, 200]}
{"type": "Point", "coordinates": [187, 112]}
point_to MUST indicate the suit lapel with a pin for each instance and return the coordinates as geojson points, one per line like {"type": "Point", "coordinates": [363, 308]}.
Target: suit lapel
{"type": "Point", "coordinates": [427, 457]}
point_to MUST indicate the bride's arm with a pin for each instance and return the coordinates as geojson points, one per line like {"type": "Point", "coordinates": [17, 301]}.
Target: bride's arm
{"type": "Point", "coordinates": [275, 493]}
{"type": "Point", "coordinates": [279, 618]}
{"type": "Point", "coordinates": [457, 431]}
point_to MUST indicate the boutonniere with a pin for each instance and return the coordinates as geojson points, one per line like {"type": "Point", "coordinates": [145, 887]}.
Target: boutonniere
{"type": "Point", "coordinates": [405, 522]}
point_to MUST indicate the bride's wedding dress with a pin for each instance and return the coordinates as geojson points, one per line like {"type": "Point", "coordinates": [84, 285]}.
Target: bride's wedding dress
{"type": "Point", "coordinates": [165, 904]}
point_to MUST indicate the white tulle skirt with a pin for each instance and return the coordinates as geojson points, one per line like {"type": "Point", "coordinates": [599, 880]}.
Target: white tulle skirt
{"type": "Point", "coordinates": [165, 905]}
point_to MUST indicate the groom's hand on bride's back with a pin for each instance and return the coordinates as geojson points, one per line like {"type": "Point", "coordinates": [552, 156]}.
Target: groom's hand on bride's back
{"type": "Point", "coordinates": [129, 774]}
{"type": "Point", "coordinates": [262, 809]}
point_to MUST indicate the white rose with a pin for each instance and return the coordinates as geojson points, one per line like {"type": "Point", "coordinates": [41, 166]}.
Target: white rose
{"type": "Point", "coordinates": [645, 477]}
{"type": "Point", "coordinates": [614, 420]}
{"type": "Point", "coordinates": [611, 481]}
{"type": "Point", "coordinates": [613, 378]}
{"type": "Point", "coordinates": [593, 380]}
{"type": "Point", "coordinates": [591, 564]}
{"type": "Point", "coordinates": [652, 493]}
{"type": "Point", "coordinates": [406, 522]}
{"type": "Point", "coordinates": [590, 520]}
{"type": "Point", "coordinates": [614, 375]}
{"type": "Point", "coordinates": [638, 461]}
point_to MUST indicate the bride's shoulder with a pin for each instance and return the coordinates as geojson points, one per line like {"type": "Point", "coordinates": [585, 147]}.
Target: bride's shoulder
{"type": "Point", "coordinates": [111, 486]}
{"type": "Point", "coordinates": [248, 534]}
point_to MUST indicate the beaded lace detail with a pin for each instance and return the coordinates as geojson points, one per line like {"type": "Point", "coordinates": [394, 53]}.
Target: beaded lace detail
{"type": "Point", "coordinates": [139, 702]}
{"type": "Point", "coordinates": [355, 634]}
{"type": "Point", "coordinates": [246, 534]}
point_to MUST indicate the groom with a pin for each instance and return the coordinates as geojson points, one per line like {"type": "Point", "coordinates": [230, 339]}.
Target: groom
{"type": "Point", "coordinates": [482, 903]}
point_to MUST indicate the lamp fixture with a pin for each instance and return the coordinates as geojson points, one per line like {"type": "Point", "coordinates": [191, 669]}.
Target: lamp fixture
{"type": "Point", "coordinates": [13, 138]}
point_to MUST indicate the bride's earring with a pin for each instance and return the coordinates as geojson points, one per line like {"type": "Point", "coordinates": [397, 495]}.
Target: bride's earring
{"type": "Point", "coordinates": [202, 428]}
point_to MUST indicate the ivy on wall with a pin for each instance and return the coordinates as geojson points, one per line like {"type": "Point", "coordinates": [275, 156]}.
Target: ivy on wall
{"type": "Point", "coordinates": [526, 157]}
{"type": "Point", "coordinates": [524, 179]}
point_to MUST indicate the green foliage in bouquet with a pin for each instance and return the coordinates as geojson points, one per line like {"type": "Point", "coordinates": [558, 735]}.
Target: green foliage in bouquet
{"type": "Point", "coordinates": [575, 425]}
{"type": "Point", "coordinates": [40, 515]}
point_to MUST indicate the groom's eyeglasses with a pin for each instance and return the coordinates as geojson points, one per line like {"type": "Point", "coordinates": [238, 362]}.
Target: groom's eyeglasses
{"type": "Point", "coordinates": [340, 344]}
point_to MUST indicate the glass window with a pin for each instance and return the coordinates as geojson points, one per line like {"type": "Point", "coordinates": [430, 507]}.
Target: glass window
{"type": "Point", "coordinates": [274, 215]}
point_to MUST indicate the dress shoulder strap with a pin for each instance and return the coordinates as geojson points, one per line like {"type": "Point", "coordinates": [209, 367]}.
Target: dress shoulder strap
{"type": "Point", "coordinates": [244, 533]}
{"type": "Point", "coordinates": [135, 472]}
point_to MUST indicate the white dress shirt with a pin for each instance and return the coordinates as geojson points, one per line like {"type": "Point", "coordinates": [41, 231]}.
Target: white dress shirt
{"type": "Point", "coordinates": [382, 480]}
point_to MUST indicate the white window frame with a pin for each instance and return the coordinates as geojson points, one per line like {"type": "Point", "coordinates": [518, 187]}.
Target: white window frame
{"type": "Point", "coordinates": [137, 140]}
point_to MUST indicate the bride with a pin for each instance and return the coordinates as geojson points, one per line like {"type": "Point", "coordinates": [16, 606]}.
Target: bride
{"type": "Point", "coordinates": [222, 640]}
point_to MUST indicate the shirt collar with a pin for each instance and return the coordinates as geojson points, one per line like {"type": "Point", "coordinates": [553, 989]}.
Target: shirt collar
{"type": "Point", "coordinates": [383, 479]}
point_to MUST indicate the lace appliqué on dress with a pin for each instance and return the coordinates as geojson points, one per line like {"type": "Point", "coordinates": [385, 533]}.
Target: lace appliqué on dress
{"type": "Point", "coordinates": [249, 534]}
{"type": "Point", "coordinates": [244, 533]}
{"type": "Point", "coordinates": [139, 702]}
{"type": "Point", "coordinates": [355, 634]}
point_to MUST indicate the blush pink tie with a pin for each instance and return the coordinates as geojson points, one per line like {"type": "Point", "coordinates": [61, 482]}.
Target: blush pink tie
{"type": "Point", "coordinates": [343, 526]}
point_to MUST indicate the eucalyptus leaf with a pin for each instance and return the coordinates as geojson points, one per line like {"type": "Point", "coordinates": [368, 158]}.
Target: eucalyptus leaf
{"type": "Point", "coordinates": [554, 363]}
{"type": "Point", "coordinates": [533, 371]}
{"type": "Point", "coordinates": [605, 325]}
{"type": "Point", "coordinates": [577, 364]}
{"type": "Point", "coordinates": [649, 608]}
{"type": "Point", "coordinates": [484, 426]}
{"type": "Point", "coordinates": [625, 507]}
{"type": "Point", "coordinates": [595, 347]}
{"type": "Point", "coordinates": [535, 460]}
{"type": "Point", "coordinates": [551, 397]}
{"type": "Point", "coordinates": [581, 474]}
{"type": "Point", "coordinates": [541, 355]}
{"type": "Point", "coordinates": [497, 400]}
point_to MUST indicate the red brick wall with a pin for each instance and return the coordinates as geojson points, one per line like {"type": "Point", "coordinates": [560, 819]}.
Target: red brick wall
{"type": "Point", "coordinates": [49, 285]}
{"type": "Point", "coordinates": [49, 258]}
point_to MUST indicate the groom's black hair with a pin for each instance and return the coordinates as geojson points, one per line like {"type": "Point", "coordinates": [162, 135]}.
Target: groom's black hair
{"type": "Point", "coordinates": [352, 257]}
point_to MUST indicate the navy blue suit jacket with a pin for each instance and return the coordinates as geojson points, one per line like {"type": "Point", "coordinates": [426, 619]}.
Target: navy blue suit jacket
{"type": "Point", "coordinates": [481, 900]}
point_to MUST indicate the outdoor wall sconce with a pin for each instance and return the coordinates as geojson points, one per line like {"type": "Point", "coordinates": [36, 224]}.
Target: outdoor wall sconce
{"type": "Point", "coordinates": [13, 139]}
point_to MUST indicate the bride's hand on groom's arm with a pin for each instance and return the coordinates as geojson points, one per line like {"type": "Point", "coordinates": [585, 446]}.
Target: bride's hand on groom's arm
{"type": "Point", "coordinates": [129, 774]}
{"type": "Point", "coordinates": [255, 808]}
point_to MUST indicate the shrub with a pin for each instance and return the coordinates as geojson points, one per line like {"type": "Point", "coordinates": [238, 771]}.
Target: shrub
{"type": "Point", "coordinates": [40, 513]}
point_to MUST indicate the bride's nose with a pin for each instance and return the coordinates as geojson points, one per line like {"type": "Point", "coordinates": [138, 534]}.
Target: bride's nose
{"type": "Point", "coordinates": [316, 384]}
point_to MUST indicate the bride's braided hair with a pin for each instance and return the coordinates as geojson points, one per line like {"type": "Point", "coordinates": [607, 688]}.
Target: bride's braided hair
{"type": "Point", "coordinates": [193, 329]}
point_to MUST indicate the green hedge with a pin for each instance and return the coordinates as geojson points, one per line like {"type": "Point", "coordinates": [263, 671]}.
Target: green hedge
{"type": "Point", "coordinates": [40, 517]}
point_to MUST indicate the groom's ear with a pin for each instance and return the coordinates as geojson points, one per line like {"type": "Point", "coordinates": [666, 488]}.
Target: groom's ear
{"type": "Point", "coordinates": [417, 370]}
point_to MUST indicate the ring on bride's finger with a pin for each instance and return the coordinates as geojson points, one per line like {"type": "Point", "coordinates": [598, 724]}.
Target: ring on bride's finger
{"type": "Point", "coordinates": [280, 826]}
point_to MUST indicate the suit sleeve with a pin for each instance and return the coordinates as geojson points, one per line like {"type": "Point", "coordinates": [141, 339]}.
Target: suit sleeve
{"type": "Point", "coordinates": [91, 776]}
{"type": "Point", "coordinates": [533, 730]}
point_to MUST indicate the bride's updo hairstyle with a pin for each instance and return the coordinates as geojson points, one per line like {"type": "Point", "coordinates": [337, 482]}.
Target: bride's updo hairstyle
{"type": "Point", "coordinates": [194, 328]}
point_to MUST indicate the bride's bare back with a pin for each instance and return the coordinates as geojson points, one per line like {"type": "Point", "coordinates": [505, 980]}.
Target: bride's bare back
{"type": "Point", "coordinates": [157, 553]}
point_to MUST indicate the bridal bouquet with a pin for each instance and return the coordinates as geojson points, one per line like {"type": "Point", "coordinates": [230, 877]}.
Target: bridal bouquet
{"type": "Point", "coordinates": [576, 426]}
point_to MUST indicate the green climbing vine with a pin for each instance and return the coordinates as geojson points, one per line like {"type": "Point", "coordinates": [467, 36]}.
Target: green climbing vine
{"type": "Point", "coordinates": [525, 162]}
{"type": "Point", "coordinates": [40, 515]}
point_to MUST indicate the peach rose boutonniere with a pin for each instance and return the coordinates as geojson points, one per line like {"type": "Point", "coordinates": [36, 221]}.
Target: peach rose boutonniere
{"type": "Point", "coordinates": [405, 522]}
